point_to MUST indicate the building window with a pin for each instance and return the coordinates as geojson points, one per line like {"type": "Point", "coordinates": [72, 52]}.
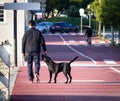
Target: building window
{"type": "Point", "coordinates": [1, 13]}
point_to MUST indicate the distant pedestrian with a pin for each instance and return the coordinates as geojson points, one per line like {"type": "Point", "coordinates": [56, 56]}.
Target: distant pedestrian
{"type": "Point", "coordinates": [89, 33]}
{"type": "Point", "coordinates": [31, 48]}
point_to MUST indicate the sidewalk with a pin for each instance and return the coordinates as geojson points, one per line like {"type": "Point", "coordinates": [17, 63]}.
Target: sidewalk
{"type": "Point", "coordinates": [76, 91]}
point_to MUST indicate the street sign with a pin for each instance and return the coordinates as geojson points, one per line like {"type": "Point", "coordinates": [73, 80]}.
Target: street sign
{"type": "Point", "coordinates": [22, 6]}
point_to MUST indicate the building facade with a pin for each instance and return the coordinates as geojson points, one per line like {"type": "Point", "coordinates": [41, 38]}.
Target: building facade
{"type": "Point", "coordinates": [7, 27]}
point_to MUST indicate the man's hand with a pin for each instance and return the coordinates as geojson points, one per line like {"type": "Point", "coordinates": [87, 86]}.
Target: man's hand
{"type": "Point", "coordinates": [23, 55]}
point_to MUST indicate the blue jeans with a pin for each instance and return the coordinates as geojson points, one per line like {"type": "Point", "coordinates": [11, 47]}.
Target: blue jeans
{"type": "Point", "coordinates": [33, 57]}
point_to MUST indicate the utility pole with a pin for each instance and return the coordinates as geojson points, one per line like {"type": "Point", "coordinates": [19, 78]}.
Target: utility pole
{"type": "Point", "coordinates": [15, 35]}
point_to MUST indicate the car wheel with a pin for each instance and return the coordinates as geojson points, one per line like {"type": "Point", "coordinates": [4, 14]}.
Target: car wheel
{"type": "Point", "coordinates": [52, 31]}
{"type": "Point", "coordinates": [44, 31]}
{"type": "Point", "coordinates": [62, 31]}
{"type": "Point", "coordinates": [67, 31]}
{"type": "Point", "coordinates": [76, 30]}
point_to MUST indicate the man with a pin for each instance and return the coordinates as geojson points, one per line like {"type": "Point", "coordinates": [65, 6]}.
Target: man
{"type": "Point", "coordinates": [31, 48]}
{"type": "Point", "coordinates": [89, 35]}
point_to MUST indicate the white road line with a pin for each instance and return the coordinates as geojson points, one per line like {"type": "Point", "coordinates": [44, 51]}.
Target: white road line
{"type": "Point", "coordinates": [118, 71]}
{"type": "Point", "coordinates": [87, 80]}
{"type": "Point", "coordinates": [84, 65]}
{"type": "Point", "coordinates": [78, 64]}
{"type": "Point", "coordinates": [78, 51]}
{"type": "Point", "coordinates": [109, 61]}
{"type": "Point", "coordinates": [80, 81]}
{"type": "Point", "coordinates": [71, 41]}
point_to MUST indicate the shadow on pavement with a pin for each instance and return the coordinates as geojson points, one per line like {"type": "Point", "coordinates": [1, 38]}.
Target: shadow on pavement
{"type": "Point", "coordinates": [62, 98]}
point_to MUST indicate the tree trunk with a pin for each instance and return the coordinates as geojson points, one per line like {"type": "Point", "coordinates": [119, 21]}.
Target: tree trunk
{"type": "Point", "coordinates": [112, 32]}
{"type": "Point", "coordinates": [52, 13]}
{"type": "Point", "coordinates": [103, 30]}
{"type": "Point", "coordinates": [58, 14]}
{"type": "Point", "coordinates": [47, 14]}
{"type": "Point", "coordinates": [99, 28]}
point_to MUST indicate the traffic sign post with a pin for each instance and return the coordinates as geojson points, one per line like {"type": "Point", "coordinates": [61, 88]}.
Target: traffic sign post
{"type": "Point", "coordinates": [15, 36]}
{"type": "Point", "coordinates": [19, 6]}
{"type": "Point", "coordinates": [22, 6]}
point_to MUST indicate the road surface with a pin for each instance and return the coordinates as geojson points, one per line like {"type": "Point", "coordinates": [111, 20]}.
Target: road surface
{"type": "Point", "coordinates": [96, 73]}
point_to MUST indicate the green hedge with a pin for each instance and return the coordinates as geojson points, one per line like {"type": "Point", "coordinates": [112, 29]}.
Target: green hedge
{"type": "Point", "coordinates": [75, 21]}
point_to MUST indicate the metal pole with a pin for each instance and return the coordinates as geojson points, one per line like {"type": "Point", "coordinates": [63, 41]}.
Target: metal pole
{"type": "Point", "coordinates": [89, 14]}
{"type": "Point", "coordinates": [81, 24]}
{"type": "Point", "coordinates": [15, 35]}
{"type": "Point", "coordinates": [89, 20]}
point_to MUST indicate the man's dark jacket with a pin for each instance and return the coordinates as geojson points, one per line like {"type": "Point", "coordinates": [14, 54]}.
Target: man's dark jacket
{"type": "Point", "coordinates": [32, 41]}
{"type": "Point", "coordinates": [89, 32]}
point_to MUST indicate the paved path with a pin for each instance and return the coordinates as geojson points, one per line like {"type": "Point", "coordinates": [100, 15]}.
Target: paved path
{"type": "Point", "coordinates": [96, 73]}
{"type": "Point", "coordinates": [89, 84]}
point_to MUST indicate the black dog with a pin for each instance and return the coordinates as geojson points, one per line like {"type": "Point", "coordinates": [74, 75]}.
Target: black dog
{"type": "Point", "coordinates": [58, 67]}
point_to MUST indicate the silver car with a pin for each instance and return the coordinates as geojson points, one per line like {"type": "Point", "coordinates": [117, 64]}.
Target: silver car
{"type": "Point", "coordinates": [44, 26]}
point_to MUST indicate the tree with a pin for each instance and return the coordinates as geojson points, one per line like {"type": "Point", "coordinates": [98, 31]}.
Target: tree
{"type": "Point", "coordinates": [110, 14]}
{"type": "Point", "coordinates": [73, 11]}
{"type": "Point", "coordinates": [96, 8]}
{"type": "Point", "coordinates": [84, 3]}
{"type": "Point", "coordinates": [62, 5]}
{"type": "Point", "coordinates": [75, 5]}
{"type": "Point", "coordinates": [50, 6]}
{"type": "Point", "coordinates": [59, 5]}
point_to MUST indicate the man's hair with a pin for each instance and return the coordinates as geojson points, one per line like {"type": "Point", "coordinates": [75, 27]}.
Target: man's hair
{"type": "Point", "coordinates": [31, 23]}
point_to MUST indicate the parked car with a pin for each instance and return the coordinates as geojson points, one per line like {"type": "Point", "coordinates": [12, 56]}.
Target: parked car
{"type": "Point", "coordinates": [44, 26]}
{"type": "Point", "coordinates": [64, 27]}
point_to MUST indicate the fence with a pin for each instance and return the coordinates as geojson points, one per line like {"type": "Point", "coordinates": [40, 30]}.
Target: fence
{"type": "Point", "coordinates": [4, 71]}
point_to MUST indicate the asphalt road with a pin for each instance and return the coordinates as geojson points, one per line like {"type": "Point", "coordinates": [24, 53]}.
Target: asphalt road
{"type": "Point", "coordinates": [65, 47]}
{"type": "Point", "coordinates": [96, 73]}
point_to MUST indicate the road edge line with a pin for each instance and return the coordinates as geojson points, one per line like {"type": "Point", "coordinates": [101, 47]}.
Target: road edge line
{"type": "Point", "coordinates": [77, 51]}
{"type": "Point", "coordinates": [116, 70]}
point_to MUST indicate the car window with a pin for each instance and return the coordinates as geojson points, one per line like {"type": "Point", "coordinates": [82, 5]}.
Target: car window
{"type": "Point", "coordinates": [68, 24]}
{"type": "Point", "coordinates": [41, 24]}
{"type": "Point", "coordinates": [44, 24]}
